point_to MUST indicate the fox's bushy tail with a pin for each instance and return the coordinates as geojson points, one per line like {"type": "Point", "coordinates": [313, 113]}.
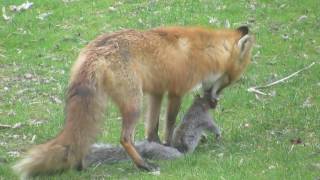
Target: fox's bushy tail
{"type": "Point", "coordinates": [85, 104]}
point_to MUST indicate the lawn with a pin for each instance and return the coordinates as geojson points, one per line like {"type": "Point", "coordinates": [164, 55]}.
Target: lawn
{"type": "Point", "coordinates": [274, 136]}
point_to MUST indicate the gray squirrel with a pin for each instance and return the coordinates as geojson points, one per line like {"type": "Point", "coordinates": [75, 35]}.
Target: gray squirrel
{"type": "Point", "coordinates": [186, 138]}
{"type": "Point", "coordinates": [188, 133]}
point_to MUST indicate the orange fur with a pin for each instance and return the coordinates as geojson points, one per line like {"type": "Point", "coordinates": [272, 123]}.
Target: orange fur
{"type": "Point", "coordinates": [123, 65]}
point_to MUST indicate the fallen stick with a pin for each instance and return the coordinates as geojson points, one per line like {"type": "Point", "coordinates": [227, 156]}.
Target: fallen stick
{"type": "Point", "coordinates": [4, 15]}
{"type": "Point", "coordinates": [4, 126]}
{"type": "Point", "coordinates": [15, 126]}
{"type": "Point", "coordinates": [254, 89]}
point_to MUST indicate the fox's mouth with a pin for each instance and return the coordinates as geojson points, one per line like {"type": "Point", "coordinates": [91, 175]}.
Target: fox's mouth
{"type": "Point", "coordinates": [213, 103]}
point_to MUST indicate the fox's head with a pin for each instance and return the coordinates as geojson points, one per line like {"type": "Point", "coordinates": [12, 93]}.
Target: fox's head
{"type": "Point", "coordinates": [233, 54]}
{"type": "Point", "coordinates": [241, 53]}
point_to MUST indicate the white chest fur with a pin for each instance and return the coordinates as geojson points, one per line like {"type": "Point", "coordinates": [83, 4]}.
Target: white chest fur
{"type": "Point", "coordinates": [208, 82]}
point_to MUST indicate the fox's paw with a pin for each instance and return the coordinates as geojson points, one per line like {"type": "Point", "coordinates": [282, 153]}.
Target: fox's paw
{"type": "Point", "coordinates": [147, 166]}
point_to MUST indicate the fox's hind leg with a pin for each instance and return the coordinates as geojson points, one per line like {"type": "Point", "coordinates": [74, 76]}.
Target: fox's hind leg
{"type": "Point", "coordinates": [130, 114]}
{"type": "Point", "coordinates": [152, 121]}
{"type": "Point", "coordinates": [125, 89]}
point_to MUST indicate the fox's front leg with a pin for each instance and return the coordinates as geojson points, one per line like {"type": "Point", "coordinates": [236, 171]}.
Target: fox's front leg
{"type": "Point", "coordinates": [172, 112]}
{"type": "Point", "coordinates": [152, 120]}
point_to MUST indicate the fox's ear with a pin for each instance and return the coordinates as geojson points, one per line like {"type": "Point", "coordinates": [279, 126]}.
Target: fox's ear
{"type": "Point", "coordinates": [243, 41]}
{"type": "Point", "coordinates": [246, 40]}
{"type": "Point", "coordinates": [244, 30]}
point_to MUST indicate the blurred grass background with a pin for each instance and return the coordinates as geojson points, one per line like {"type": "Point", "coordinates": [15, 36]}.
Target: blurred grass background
{"type": "Point", "coordinates": [36, 55]}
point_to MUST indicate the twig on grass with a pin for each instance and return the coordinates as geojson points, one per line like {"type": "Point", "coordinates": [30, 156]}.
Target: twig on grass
{"type": "Point", "coordinates": [97, 165]}
{"type": "Point", "coordinates": [4, 126]}
{"type": "Point", "coordinates": [4, 14]}
{"type": "Point", "coordinates": [255, 89]}
{"type": "Point", "coordinates": [15, 126]}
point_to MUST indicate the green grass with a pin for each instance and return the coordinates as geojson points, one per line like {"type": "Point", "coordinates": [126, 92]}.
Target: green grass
{"type": "Point", "coordinates": [46, 49]}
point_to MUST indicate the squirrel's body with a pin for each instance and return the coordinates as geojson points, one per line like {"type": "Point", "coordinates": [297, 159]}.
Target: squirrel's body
{"type": "Point", "coordinates": [197, 119]}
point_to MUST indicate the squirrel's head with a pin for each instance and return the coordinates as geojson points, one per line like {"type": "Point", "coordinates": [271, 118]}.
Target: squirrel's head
{"type": "Point", "coordinates": [204, 101]}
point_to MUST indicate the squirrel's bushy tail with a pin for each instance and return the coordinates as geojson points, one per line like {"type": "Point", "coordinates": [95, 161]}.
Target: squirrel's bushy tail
{"type": "Point", "coordinates": [85, 104]}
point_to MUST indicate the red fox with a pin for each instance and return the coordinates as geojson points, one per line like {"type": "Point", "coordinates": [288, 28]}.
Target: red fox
{"type": "Point", "coordinates": [185, 139]}
{"type": "Point", "coordinates": [124, 65]}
